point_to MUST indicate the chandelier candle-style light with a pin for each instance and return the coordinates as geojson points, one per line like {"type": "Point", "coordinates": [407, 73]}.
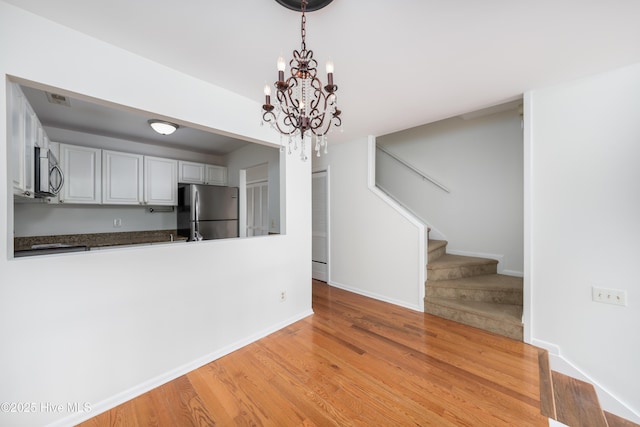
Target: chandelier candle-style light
{"type": "Point", "coordinates": [302, 108]}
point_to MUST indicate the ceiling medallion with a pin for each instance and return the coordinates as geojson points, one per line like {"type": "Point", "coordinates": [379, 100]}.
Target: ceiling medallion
{"type": "Point", "coordinates": [303, 107]}
{"type": "Point", "coordinates": [311, 4]}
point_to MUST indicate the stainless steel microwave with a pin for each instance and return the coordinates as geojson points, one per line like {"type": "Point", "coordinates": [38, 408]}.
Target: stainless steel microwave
{"type": "Point", "coordinates": [48, 178]}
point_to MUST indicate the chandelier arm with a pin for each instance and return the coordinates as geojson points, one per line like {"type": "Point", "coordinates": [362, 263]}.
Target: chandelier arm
{"type": "Point", "coordinates": [301, 102]}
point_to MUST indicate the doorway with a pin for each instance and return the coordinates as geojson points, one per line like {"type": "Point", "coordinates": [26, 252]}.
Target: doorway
{"type": "Point", "coordinates": [320, 226]}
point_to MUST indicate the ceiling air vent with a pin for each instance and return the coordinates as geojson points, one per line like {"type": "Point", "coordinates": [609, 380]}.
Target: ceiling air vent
{"type": "Point", "coordinates": [55, 98]}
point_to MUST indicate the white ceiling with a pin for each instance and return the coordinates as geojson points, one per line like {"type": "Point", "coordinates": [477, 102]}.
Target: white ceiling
{"type": "Point", "coordinates": [101, 119]}
{"type": "Point", "coordinates": [398, 64]}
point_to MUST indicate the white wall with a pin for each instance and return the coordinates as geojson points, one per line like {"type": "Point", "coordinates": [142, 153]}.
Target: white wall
{"type": "Point", "coordinates": [101, 327]}
{"type": "Point", "coordinates": [584, 226]}
{"type": "Point", "coordinates": [252, 155]}
{"type": "Point", "coordinates": [41, 219]}
{"type": "Point", "coordinates": [374, 249]}
{"type": "Point", "coordinates": [480, 161]}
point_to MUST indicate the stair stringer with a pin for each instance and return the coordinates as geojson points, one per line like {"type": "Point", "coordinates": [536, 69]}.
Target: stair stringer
{"type": "Point", "coordinates": [608, 401]}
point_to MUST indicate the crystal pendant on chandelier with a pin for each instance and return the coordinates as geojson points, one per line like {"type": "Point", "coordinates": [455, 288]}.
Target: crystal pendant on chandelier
{"type": "Point", "coordinates": [304, 110]}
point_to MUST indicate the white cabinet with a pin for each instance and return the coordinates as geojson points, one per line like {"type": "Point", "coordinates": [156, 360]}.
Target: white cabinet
{"type": "Point", "coordinates": [191, 173]}
{"type": "Point", "coordinates": [81, 167]}
{"type": "Point", "coordinates": [122, 178]}
{"type": "Point", "coordinates": [160, 181]}
{"type": "Point", "coordinates": [22, 136]}
{"type": "Point", "coordinates": [199, 173]}
{"type": "Point", "coordinates": [215, 175]}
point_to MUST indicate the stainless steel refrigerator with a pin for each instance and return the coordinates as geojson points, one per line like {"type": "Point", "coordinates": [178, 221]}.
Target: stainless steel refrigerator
{"type": "Point", "coordinates": [207, 212]}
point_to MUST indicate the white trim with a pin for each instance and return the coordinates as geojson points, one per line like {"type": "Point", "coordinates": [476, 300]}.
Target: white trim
{"type": "Point", "coordinates": [171, 375]}
{"type": "Point", "coordinates": [242, 203]}
{"type": "Point", "coordinates": [527, 299]}
{"type": "Point", "coordinates": [379, 297]}
{"type": "Point", "coordinates": [422, 237]}
{"type": "Point", "coordinates": [608, 401]}
{"type": "Point", "coordinates": [434, 233]}
{"type": "Point", "coordinates": [327, 170]}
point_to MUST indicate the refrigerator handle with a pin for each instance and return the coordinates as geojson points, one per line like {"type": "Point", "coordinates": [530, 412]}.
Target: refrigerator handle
{"type": "Point", "coordinates": [196, 224]}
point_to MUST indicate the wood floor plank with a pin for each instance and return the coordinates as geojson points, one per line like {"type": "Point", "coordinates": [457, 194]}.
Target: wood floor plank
{"type": "Point", "coordinates": [547, 401]}
{"type": "Point", "coordinates": [355, 362]}
{"type": "Point", "coordinates": [616, 421]}
{"type": "Point", "coordinates": [576, 402]}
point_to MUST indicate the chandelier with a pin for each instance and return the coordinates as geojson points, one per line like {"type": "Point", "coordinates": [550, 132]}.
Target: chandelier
{"type": "Point", "coordinates": [304, 110]}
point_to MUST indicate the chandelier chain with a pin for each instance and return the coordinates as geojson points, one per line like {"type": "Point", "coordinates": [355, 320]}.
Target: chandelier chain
{"type": "Point", "coordinates": [303, 30]}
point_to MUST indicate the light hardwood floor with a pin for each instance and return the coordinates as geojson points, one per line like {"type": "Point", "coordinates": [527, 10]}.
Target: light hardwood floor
{"type": "Point", "coordinates": [355, 362]}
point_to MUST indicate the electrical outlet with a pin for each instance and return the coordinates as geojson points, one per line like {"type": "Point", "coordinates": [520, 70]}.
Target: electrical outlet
{"type": "Point", "coordinates": [117, 222]}
{"type": "Point", "coordinates": [609, 296]}
{"type": "Point", "coordinates": [283, 296]}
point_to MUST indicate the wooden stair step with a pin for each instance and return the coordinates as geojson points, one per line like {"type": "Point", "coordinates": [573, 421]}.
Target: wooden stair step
{"type": "Point", "coordinates": [496, 288]}
{"type": "Point", "coordinates": [576, 402]}
{"type": "Point", "coordinates": [502, 319]}
{"type": "Point", "coordinates": [457, 266]}
{"type": "Point", "coordinates": [436, 249]}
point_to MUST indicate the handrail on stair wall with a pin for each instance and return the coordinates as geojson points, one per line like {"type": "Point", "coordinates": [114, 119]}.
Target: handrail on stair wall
{"type": "Point", "coordinates": [413, 168]}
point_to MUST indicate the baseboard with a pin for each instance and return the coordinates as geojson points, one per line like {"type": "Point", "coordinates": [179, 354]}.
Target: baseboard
{"type": "Point", "coordinates": [513, 273]}
{"type": "Point", "coordinates": [120, 398]}
{"type": "Point", "coordinates": [384, 298]}
{"type": "Point", "coordinates": [608, 401]}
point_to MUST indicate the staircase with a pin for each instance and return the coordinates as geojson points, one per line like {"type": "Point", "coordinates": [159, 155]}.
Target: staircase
{"type": "Point", "coordinates": [468, 290]}
{"type": "Point", "coordinates": [571, 401]}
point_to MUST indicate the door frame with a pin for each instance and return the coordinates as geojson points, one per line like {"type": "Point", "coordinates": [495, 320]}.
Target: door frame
{"type": "Point", "coordinates": [327, 171]}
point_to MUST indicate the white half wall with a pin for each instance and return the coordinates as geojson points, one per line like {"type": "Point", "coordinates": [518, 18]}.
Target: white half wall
{"type": "Point", "coordinates": [480, 160]}
{"type": "Point", "coordinates": [102, 327]}
{"type": "Point", "coordinates": [375, 248]}
{"type": "Point", "coordinates": [584, 226]}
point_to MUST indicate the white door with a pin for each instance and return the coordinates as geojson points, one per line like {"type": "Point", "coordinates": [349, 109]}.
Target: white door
{"type": "Point", "coordinates": [319, 227]}
{"type": "Point", "coordinates": [258, 208]}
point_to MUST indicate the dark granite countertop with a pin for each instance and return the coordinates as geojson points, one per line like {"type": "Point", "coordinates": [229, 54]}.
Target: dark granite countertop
{"type": "Point", "coordinates": [99, 240]}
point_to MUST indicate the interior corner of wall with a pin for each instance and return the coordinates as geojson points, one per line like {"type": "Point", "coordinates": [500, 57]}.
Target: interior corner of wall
{"type": "Point", "coordinates": [371, 161]}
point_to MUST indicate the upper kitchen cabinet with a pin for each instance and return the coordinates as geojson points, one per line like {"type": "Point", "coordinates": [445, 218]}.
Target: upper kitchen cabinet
{"type": "Point", "coordinates": [199, 173]}
{"type": "Point", "coordinates": [22, 136]}
{"type": "Point", "coordinates": [191, 172]}
{"type": "Point", "coordinates": [215, 175]}
{"type": "Point", "coordinates": [122, 178]}
{"type": "Point", "coordinates": [160, 181]}
{"type": "Point", "coordinates": [81, 167]}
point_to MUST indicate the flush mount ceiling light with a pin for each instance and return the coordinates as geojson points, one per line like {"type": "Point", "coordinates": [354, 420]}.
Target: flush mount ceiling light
{"type": "Point", "coordinates": [162, 127]}
{"type": "Point", "coordinates": [303, 108]}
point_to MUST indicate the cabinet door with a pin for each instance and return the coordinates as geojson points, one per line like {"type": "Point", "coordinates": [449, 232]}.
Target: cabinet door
{"type": "Point", "coordinates": [216, 175]}
{"type": "Point", "coordinates": [22, 134]}
{"type": "Point", "coordinates": [160, 181]}
{"type": "Point", "coordinates": [122, 177]}
{"type": "Point", "coordinates": [191, 173]}
{"type": "Point", "coordinates": [81, 167]}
